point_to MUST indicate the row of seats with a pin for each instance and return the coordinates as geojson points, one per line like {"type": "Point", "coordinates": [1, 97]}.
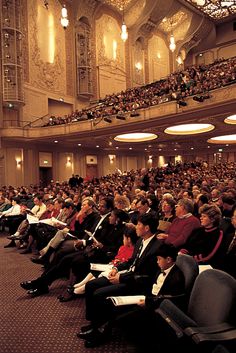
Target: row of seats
{"type": "Point", "coordinates": [208, 324]}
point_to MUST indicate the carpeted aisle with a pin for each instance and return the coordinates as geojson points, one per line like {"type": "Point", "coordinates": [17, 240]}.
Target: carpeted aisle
{"type": "Point", "coordinates": [43, 324]}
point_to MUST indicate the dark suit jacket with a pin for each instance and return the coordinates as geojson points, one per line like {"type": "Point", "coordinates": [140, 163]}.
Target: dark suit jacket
{"type": "Point", "coordinates": [145, 269]}
{"type": "Point", "coordinates": [89, 223]}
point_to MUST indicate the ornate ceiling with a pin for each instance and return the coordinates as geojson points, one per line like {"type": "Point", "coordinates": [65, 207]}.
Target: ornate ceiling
{"type": "Point", "coordinates": [216, 9]}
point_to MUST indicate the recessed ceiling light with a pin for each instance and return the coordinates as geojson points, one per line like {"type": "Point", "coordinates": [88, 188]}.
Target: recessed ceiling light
{"type": "Point", "coordinates": [223, 139]}
{"type": "Point", "coordinates": [220, 149]}
{"type": "Point", "coordinates": [79, 144]}
{"type": "Point", "coordinates": [130, 148]}
{"type": "Point", "coordinates": [230, 119]}
{"type": "Point", "coordinates": [145, 149]}
{"type": "Point", "coordinates": [135, 137]}
{"type": "Point", "coordinates": [55, 141]}
{"type": "Point", "coordinates": [189, 129]}
{"type": "Point", "coordinates": [117, 148]}
{"type": "Point", "coordinates": [192, 148]}
{"type": "Point", "coordinates": [97, 146]}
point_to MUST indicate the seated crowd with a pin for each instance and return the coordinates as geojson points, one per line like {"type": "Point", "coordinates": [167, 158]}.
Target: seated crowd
{"type": "Point", "coordinates": [193, 81]}
{"type": "Point", "coordinates": [136, 223]}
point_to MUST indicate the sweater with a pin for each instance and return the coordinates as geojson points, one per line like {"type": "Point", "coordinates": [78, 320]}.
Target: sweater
{"type": "Point", "coordinates": [181, 229]}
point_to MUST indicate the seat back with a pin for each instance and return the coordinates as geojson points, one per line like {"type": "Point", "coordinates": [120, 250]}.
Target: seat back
{"type": "Point", "coordinates": [190, 269]}
{"type": "Point", "coordinates": [213, 298]}
{"type": "Point", "coordinates": [220, 349]}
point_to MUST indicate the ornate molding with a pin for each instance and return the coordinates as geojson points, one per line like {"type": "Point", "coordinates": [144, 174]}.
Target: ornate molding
{"type": "Point", "coordinates": [46, 75]}
{"type": "Point", "coordinates": [105, 25]}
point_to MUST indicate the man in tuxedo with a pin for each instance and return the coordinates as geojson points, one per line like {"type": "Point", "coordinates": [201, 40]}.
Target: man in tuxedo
{"type": "Point", "coordinates": [136, 277]}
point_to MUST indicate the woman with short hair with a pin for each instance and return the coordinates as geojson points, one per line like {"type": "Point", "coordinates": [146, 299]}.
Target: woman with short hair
{"type": "Point", "coordinates": [205, 243]}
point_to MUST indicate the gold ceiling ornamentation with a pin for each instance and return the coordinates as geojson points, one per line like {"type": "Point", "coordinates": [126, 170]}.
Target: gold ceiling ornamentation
{"type": "Point", "coordinates": [118, 4]}
{"type": "Point", "coordinates": [170, 23]}
{"type": "Point", "coordinates": [216, 9]}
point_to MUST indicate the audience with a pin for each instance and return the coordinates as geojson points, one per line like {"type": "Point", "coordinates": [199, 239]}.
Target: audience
{"type": "Point", "coordinates": [165, 205]}
{"type": "Point", "coordinates": [193, 81]}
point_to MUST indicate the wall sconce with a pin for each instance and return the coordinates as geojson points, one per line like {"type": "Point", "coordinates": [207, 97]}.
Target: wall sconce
{"type": "Point", "coordinates": [179, 60]}
{"type": "Point", "coordinates": [138, 66]}
{"type": "Point", "coordinates": [68, 161]}
{"type": "Point", "coordinates": [150, 159]}
{"type": "Point", "coordinates": [18, 163]}
{"type": "Point", "coordinates": [112, 158]}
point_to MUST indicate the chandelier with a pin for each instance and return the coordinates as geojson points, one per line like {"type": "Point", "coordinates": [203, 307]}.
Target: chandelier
{"type": "Point", "coordinates": [124, 32]}
{"type": "Point", "coordinates": [64, 17]}
{"type": "Point", "coordinates": [172, 44]}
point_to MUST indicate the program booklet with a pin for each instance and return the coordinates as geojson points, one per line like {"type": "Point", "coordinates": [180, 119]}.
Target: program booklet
{"type": "Point", "coordinates": [52, 222]}
{"type": "Point", "coordinates": [32, 219]}
{"type": "Point", "coordinates": [100, 267]}
{"type": "Point", "coordinates": [204, 267]}
{"type": "Point", "coordinates": [127, 300]}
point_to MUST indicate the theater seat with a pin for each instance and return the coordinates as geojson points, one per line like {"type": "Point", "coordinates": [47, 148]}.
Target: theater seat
{"type": "Point", "coordinates": [210, 317]}
{"type": "Point", "coordinates": [190, 269]}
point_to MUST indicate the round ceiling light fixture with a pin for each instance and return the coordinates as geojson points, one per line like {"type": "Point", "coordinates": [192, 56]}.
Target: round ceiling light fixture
{"type": "Point", "coordinates": [136, 137]}
{"type": "Point", "coordinates": [223, 139]}
{"type": "Point", "coordinates": [189, 129]}
{"type": "Point", "coordinates": [230, 119]}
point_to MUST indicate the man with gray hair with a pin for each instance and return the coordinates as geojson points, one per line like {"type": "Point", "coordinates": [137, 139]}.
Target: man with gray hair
{"type": "Point", "coordinates": [182, 226]}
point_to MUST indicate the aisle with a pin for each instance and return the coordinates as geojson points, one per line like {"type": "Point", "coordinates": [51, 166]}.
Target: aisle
{"type": "Point", "coordinates": [43, 324]}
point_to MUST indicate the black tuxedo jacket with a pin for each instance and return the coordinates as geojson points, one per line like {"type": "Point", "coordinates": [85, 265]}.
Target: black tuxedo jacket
{"type": "Point", "coordinates": [173, 285]}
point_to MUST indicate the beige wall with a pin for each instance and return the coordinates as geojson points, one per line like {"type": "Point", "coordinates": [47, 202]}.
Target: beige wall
{"type": "Point", "coordinates": [158, 55]}
{"type": "Point", "coordinates": [110, 54]}
{"type": "Point", "coordinates": [207, 57]}
{"type": "Point", "coordinates": [64, 164]}
{"type": "Point", "coordinates": [14, 166]}
{"type": "Point", "coordinates": [225, 33]}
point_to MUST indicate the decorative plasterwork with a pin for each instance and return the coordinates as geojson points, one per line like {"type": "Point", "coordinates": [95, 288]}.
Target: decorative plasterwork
{"type": "Point", "coordinates": [46, 75]}
{"type": "Point", "coordinates": [169, 24]}
{"type": "Point", "coordinates": [86, 9]}
{"type": "Point", "coordinates": [215, 9]}
{"type": "Point", "coordinates": [203, 30]}
{"type": "Point", "coordinates": [25, 48]}
{"type": "Point", "coordinates": [147, 28]}
{"type": "Point", "coordinates": [134, 12]}
{"type": "Point", "coordinates": [108, 32]}
{"type": "Point", "coordinates": [118, 4]}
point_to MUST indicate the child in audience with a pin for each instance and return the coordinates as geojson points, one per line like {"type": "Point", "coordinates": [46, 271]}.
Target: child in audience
{"type": "Point", "coordinates": [124, 253]}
